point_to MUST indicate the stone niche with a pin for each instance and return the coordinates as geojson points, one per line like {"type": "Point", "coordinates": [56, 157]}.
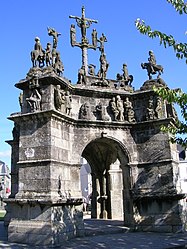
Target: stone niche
{"type": "Point", "coordinates": [134, 170]}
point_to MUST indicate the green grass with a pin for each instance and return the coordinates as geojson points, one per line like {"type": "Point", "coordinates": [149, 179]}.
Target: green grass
{"type": "Point", "coordinates": [2, 214]}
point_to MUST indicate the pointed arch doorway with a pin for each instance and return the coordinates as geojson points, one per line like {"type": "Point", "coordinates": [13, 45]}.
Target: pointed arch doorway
{"type": "Point", "coordinates": [110, 172]}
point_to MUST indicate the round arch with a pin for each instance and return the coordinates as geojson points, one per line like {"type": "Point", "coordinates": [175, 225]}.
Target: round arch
{"type": "Point", "coordinates": [109, 162]}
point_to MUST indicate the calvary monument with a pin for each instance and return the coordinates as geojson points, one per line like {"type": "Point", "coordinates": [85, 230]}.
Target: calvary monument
{"type": "Point", "coordinates": [116, 128]}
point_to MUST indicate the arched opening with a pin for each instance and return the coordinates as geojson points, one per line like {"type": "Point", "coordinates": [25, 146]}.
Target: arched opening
{"type": "Point", "coordinates": [110, 179]}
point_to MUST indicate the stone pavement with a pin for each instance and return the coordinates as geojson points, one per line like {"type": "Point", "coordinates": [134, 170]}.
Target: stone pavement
{"type": "Point", "coordinates": [109, 234]}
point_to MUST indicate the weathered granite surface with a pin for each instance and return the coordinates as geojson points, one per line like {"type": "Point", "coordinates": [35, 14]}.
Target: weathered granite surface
{"type": "Point", "coordinates": [134, 165]}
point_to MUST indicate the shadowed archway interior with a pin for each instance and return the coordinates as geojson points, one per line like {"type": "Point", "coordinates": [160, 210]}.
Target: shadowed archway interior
{"type": "Point", "coordinates": [110, 176]}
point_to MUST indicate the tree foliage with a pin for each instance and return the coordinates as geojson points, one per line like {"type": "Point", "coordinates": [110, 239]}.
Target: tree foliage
{"type": "Point", "coordinates": [176, 96]}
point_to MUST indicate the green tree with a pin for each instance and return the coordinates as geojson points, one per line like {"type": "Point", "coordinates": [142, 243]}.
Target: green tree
{"type": "Point", "coordinates": [176, 96]}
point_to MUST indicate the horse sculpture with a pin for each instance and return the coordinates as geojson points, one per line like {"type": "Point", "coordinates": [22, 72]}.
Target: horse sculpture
{"type": "Point", "coordinates": [152, 69]}
{"type": "Point", "coordinates": [37, 58]}
{"type": "Point", "coordinates": [124, 82]}
{"type": "Point", "coordinates": [38, 54]}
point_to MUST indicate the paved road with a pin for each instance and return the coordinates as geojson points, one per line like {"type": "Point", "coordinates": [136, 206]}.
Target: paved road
{"type": "Point", "coordinates": [109, 235]}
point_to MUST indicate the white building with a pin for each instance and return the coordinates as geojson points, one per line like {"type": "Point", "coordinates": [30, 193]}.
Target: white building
{"type": "Point", "coordinates": [5, 181]}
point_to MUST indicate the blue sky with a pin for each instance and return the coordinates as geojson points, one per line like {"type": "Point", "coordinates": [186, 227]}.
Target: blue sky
{"type": "Point", "coordinates": [22, 20]}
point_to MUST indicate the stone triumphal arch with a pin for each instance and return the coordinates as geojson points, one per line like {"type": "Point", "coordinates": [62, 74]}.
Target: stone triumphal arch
{"type": "Point", "coordinates": [115, 127]}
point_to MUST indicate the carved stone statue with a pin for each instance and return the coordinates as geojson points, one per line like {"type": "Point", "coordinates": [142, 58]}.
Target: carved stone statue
{"type": "Point", "coordinates": [103, 67]}
{"type": "Point", "coordinates": [91, 68]}
{"type": "Point", "coordinates": [102, 40]}
{"type": "Point", "coordinates": [73, 35]}
{"type": "Point", "coordinates": [150, 109]}
{"type": "Point", "coordinates": [129, 112]}
{"type": "Point", "coordinates": [84, 23]}
{"type": "Point", "coordinates": [81, 76]}
{"type": "Point", "coordinates": [21, 101]}
{"type": "Point", "coordinates": [59, 99]}
{"type": "Point", "coordinates": [48, 54]}
{"type": "Point", "coordinates": [158, 109]}
{"type": "Point", "coordinates": [125, 79]}
{"type": "Point", "coordinates": [34, 100]}
{"type": "Point", "coordinates": [99, 111]}
{"type": "Point", "coordinates": [16, 132]}
{"type": "Point", "coordinates": [151, 66]}
{"type": "Point", "coordinates": [84, 112]}
{"type": "Point", "coordinates": [52, 32]}
{"type": "Point", "coordinates": [114, 108]}
{"type": "Point", "coordinates": [68, 103]}
{"type": "Point", "coordinates": [38, 54]}
{"type": "Point", "coordinates": [119, 105]}
{"type": "Point", "coordinates": [58, 65]}
{"type": "Point", "coordinates": [94, 38]}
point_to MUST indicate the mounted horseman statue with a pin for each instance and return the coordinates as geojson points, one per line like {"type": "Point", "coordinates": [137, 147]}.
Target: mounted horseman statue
{"type": "Point", "coordinates": [151, 66]}
{"type": "Point", "coordinates": [38, 54]}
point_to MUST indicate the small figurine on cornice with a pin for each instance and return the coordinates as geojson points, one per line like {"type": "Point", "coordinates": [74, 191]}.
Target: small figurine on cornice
{"type": "Point", "coordinates": [73, 35]}
{"type": "Point", "coordinates": [91, 69]}
{"type": "Point", "coordinates": [81, 76]}
{"type": "Point", "coordinates": [125, 79]}
{"type": "Point", "coordinates": [52, 32]}
{"type": "Point", "coordinates": [102, 41]}
{"type": "Point", "coordinates": [58, 65]}
{"type": "Point", "coordinates": [103, 66]}
{"type": "Point", "coordinates": [151, 66]}
{"type": "Point", "coordinates": [48, 54]}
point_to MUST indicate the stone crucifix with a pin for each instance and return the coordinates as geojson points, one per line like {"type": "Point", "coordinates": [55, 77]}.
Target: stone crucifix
{"type": "Point", "coordinates": [83, 23]}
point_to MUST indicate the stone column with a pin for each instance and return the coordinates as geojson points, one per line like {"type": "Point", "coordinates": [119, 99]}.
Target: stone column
{"type": "Point", "coordinates": [85, 59]}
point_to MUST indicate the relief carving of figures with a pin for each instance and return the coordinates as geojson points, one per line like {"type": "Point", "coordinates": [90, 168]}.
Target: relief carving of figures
{"type": "Point", "coordinates": [68, 103]}
{"type": "Point", "coordinates": [59, 99]}
{"type": "Point", "coordinates": [114, 109]}
{"type": "Point", "coordinates": [116, 105]}
{"type": "Point", "coordinates": [150, 115]}
{"type": "Point", "coordinates": [158, 109]}
{"type": "Point", "coordinates": [38, 54]}
{"type": "Point", "coordinates": [119, 105]}
{"type": "Point", "coordinates": [81, 76]}
{"type": "Point", "coordinates": [84, 112]}
{"type": "Point", "coordinates": [129, 112]}
{"type": "Point", "coordinates": [34, 101]}
{"type": "Point", "coordinates": [100, 112]}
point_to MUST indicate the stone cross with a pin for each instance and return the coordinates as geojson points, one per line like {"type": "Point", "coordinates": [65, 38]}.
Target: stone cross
{"type": "Point", "coordinates": [83, 23]}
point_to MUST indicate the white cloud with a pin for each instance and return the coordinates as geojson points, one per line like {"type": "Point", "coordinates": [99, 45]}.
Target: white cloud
{"type": "Point", "coordinates": [6, 153]}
